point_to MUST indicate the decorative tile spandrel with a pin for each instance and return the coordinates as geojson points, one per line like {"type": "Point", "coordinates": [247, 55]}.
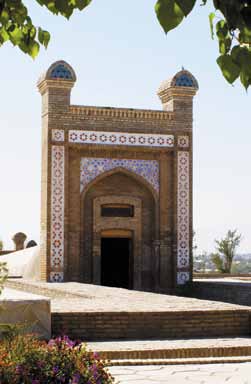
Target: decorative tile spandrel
{"type": "Point", "coordinates": [92, 167]}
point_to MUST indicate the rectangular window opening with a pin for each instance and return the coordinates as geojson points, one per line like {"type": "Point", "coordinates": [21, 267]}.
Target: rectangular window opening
{"type": "Point", "coordinates": [117, 210]}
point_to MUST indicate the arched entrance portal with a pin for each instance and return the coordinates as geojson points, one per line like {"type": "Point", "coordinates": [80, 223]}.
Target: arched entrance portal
{"type": "Point", "coordinates": [119, 231]}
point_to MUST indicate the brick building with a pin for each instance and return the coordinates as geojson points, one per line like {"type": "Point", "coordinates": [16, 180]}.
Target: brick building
{"type": "Point", "coordinates": [116, 187]}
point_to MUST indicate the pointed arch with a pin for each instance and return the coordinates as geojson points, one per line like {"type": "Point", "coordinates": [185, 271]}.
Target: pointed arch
{"type": "Point", "coordinates": [125, 171]}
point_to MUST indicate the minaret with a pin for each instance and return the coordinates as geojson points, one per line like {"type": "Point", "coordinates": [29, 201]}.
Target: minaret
{"type": "Point", "coordinates": [176, 95]}
{"type": "Point", "coordinates": [55, 87]}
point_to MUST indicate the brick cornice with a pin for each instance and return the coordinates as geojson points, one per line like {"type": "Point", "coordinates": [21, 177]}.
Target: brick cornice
{"type": "Point", "coordinates": [144, 114]}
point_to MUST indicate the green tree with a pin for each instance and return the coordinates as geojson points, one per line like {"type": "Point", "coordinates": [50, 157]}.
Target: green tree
{"type": "Point", "coordinates": [226, 250]}
{"type": "Point", "coordinates": [233, 31]}
{"type": "Point", "coordinates": [233, 28]}
{"type": "Point", "coordinates": [1, 245]}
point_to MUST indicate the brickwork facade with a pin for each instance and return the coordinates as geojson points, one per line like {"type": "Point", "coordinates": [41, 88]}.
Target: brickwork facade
{"type": "Point", "coordinates": [96, 156]}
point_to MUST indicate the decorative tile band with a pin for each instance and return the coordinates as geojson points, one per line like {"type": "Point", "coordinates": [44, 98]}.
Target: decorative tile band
{"type": "Point", "coordinates": [57, 135]}
{"type": "Point", "coordinates": [183, 215]}
{"type": "Point", "coordinates": [182, 278]}
{"type": "Point", "coordinates": [56, 277]}
{"type": "Point", "coordinates": [57, 210]}
{"type": "Point", "coordinates": [92, 167]}
{"type": "Point", "coordinates": [120, 138]}
{"type": "Point", "coordinates": [183, 141]}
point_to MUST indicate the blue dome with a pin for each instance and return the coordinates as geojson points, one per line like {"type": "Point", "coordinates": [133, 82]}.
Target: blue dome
{"type": "Point", "coordinates": [61, 72]}
{"type": "Point", "coordinates": [184, 80]}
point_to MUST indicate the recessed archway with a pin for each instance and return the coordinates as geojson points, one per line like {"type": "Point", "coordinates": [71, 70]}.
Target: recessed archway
{"type": "Point", "coordinates": [104, 236]}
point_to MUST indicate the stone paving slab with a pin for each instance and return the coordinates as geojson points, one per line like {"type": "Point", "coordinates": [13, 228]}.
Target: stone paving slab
{"type": "Point", "coordinates": [178, 361]}
{"type": "Point", "coordinates": [184, 374]}
{"type": "Point", "coordinates": [145, 351]}
{"type": "Point", "coordinates": [20, 307]}
{"type": "Point", "coordinates": [76, 297]}
{"type": "Point", "coordinates": [132, 345]}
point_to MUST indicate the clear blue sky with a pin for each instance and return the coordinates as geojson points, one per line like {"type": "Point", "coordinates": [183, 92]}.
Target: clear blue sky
{"type": "Point", "coordinates": [121, 55]}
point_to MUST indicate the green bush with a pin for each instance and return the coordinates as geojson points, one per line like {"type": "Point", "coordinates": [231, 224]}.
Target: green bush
{"type": "Point", "coordinates": [27, 360]}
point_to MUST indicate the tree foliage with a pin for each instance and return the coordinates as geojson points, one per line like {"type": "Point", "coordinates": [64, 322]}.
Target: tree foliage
{"type": "Point", "coordinates": [230, 22]}
{"type": "Point", "coordinates": [17, 27]}
{"type": "Point", "coordinates": [232, 28]}
{"type": "Point", "coordinates": [226, 250]}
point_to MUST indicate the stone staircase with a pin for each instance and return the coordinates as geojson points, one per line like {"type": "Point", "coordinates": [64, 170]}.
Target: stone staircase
{"type": "Point", "coordinates": [165, 352]}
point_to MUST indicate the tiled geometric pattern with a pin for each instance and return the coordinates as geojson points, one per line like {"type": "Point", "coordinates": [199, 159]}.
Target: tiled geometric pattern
{"type": "Point", "coordinates": [182, 278]}
{"type": "Point", "coordinates": [91, 167]}
{"type": "Point", "coordinates": [61, 72]}
{"type": "Point", "coordinates": [183, 213]}
{"type": "Point", "coordinates": [57, 208]}
{"type": "Point", "coordinates": [57, 277]}
{"type": "Point", "coordinates": [184, 80]}
{"type": "Point", "coordinates": [183, 141]}
{"type": "Point", "coordinates": [57, 135]}
{"type": "Point", "coordinates": [120, 138]}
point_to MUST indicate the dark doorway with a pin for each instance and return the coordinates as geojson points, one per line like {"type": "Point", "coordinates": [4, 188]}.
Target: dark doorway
{"type": "Point", "coordinates": [115, 262]}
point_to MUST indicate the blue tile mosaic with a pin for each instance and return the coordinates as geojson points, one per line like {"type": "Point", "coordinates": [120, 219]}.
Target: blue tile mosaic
{"type": "Point", "coordinates": [61, 72]}
{"type": "Point", "coordinates": [91, 167]}
{"type": "Point", "coordinates": [184, 80]}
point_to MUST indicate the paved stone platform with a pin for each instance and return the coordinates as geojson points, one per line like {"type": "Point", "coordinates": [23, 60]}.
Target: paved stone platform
{"type": "Point", "coordinates": [184, 374]}
{"type": "Point", "coordinates": [75, 297]}
{"type": "Point", "coordinates": [93, 312]}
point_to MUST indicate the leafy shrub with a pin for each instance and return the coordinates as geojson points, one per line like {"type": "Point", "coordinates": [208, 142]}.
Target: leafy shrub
{"type": "Point", "coordinates": [27, 360]}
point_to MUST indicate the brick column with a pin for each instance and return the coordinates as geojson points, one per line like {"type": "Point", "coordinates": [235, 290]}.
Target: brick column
{"type": "Point", "coordinates": [166, 221]}
{"type": "Point", "coordinates": [55, 87]}
{"type": "Point", "coordinates": [177, 95]}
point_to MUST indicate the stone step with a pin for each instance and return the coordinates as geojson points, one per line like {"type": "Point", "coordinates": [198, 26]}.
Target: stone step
{"type": "Point", "coordinates": [173, 349]}
{"type": "Point", "coordinates": [204, 360]}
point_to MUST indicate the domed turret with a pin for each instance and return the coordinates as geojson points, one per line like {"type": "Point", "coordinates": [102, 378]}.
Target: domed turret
{"type": "Point", "coordinates": [56, 83]}
{"type": "Point", "coordinates": [182, 85]}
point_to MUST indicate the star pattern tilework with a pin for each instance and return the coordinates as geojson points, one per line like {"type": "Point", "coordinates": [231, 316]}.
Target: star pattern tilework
{"type": "Point", "coordinates": [57, 212]}
{"type": "Point", "coordinates": [120, 138]}
{"type": "Point", "coordinates": [183, 141]}
{"type": "Point", "coordinates": [90, 168]}
{"type": "Point", "coordinates": [57, 135]}
{"type": "Point", "coordinates": [183, 216]}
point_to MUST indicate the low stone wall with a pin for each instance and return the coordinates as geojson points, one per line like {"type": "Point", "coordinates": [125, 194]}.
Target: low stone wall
{"type": "Point", "coordinates": [227, 291]}
{"type": "Point", "coordinates": [122, 325]}
{"type": "Point", "coordinates": [217, 275]}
